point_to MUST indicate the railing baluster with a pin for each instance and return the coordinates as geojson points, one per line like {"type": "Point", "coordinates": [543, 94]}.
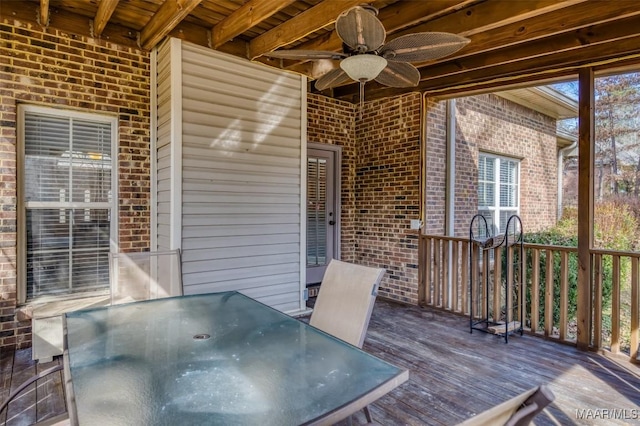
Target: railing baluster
{"type": "Point", "coordinates": [455, 263]}
{"type": "Point", "coordinates": [428, 270]}
{"type": "Point", "coordinates": [522, 309]}
{"type": "Point", "coordinates": [548, 299]}
{"type": "Point", "coordinates": [615, 306]}
{"type": "Point", "coordinates": [635, 308]}
{"type": "Point", "coordinates": [509, 285]}
{"type": "Point", "coordinates": [475, 279]}
{"type": "Point", "coordinates": [446, 296]}
{"type": "Point", "coordinates": [564, 293]}
{"type": "Point", "coordinates": [484, 284]}
{"type": "Point", "coordinates": [535, 289]}
{"type": "Point", "coordinates": [464, 278]}
{"type": "Point", "coordinates": [422, 266]}
{"type": "Point", "coordinates": [497, 282]}
{"type": "Point", "coordinates": [597, 301]}
{"type": "Point", "coordinates": [437, 273]}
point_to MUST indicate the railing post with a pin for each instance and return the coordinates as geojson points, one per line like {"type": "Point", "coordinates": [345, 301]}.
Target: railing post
{"type": "Point", "coordinates": [635, 309]}
{"type": "Point", "coordinates": [586, 150]}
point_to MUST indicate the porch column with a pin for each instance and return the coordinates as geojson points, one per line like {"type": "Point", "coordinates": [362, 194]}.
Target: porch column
{"type": "Point", "coordinates": [586, 149]}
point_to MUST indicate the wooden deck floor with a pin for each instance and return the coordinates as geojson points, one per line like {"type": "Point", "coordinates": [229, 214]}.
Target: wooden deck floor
{"type": "Point", "coordinates": [453, 375]}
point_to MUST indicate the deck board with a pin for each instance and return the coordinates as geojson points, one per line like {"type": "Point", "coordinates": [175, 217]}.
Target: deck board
{"type": "Point", "coordinates": [453, 374]}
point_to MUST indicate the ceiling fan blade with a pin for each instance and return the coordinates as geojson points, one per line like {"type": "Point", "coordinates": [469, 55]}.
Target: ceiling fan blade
{"type": "Point", "coordinates": [419, 47]}
{"type": "Point", "coordinates": [333, 78]}
{"type": "Point", "coordinates": [305, 54]}
{"type": "Point", "coordinates": [399, 74]}
{"type": "Point", "coordinates": [360, 29]}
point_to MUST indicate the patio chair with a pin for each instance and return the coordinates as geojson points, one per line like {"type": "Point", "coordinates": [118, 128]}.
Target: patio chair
{"type": "Point", "coordinates": [517, 411]}
{"type": "Point", "coordinates": [144, 275]}
{"type": "Point", "coordinates": [59, 420]}
{"type": "Point", "coordinates": [345, 302]}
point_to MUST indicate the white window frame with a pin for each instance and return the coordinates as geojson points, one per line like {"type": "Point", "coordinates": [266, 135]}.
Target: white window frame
{"type": "Point", "coordinates": [496, 209]}
{"type": "Point", "coordinates": [22, 206]}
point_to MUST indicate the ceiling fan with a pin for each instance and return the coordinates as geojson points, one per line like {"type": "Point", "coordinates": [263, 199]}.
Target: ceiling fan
{"type": "Point", "coordinates": [365, 57]}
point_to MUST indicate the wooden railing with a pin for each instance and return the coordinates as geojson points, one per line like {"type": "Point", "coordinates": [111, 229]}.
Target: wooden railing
{"type": "Point", "coordinates": [550, 279]}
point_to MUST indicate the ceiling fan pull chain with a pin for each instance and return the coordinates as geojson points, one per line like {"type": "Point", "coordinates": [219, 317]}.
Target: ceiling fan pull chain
{"type": "Point", "coordinates": [361, 97]}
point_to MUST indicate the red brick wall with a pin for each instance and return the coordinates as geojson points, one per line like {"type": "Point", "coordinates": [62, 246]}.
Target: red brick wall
{"type": "Point", "coordinates": [435, 167]}
{"type": "Point", "coordinates": [380, 187]}
{"type": "Point", "coordinates": [388, 192]}
{"type": "Point", "coordinates": [332, 122]}
{"type": "Point", "coordinates": [53, 68]}
{"type": "Point", "coordinates": [494, 125]}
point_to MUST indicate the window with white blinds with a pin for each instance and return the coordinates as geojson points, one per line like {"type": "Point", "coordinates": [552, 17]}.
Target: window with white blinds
{"type": "Point", "coordinates": [316, 211]}
{"type": "Point", "coordinates": [66, 200]}
{"type": "Point", "coordinates": [498, 189]}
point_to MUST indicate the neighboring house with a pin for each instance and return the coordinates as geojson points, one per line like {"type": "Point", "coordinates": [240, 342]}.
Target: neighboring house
{"type": "Point", "coordinates": [112, 148]}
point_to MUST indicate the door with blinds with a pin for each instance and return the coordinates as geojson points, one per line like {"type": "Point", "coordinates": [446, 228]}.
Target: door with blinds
{"type": "Point", "coordinates": [65, 204]}
{"type": "Point", "coordinates": [322, 210]}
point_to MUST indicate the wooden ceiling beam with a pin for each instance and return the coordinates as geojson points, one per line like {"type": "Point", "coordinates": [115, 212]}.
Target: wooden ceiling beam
{"type": "Point", "coordinates": [43, 13]}
{"type": "Point", "coordinates": [105, 10]}
{"type": "Point", "coordinates": [165, 19]}
{"type": "Point", "coordinates": [69, 22]}
{"type": "Point", "coordinates": [603, 55]}
{"type": "Point", "coordinates": [248, 15]}
{"type": "Point", "coordinates": [547, 25]}
{"type": "Point", "coordinates": [488, 15]}
{"type": "Point", "coordinates": [301, 25]}
{"type": "Point", "coordinates": [615, 31]}
{"type": "Point", "coordinates": [466, 22]}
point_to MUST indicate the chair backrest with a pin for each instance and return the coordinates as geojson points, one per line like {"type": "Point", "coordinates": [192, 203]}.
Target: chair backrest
{"type": "Point", "coordinates": [144, 275]}
{"type": "Point", "coordinates": [345, 300]}
{"type": "Point", "coordinates": [517, 411]}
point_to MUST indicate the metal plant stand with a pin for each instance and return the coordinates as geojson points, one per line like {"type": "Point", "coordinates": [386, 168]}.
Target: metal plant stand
{"type": "Point", "coordinates": [496, 305]}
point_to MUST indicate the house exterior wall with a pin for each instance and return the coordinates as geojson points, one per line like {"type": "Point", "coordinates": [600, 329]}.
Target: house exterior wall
{"type": "Point", "coordinates": [380, 183]}
{"type": "Point", "coordinates": [380, 164]}
{"type": "Point", "coordinates": [55, 69]}
{"type": "Point", "coordinates": [490, 124]}
{"type": "Point", "coordinates": [331, 122]}
{"type": "Point", "coordinates": [384, 194]}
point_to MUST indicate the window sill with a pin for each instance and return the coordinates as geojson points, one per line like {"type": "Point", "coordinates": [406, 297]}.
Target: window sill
{"type": "Point", "coordinates": [51, 308]}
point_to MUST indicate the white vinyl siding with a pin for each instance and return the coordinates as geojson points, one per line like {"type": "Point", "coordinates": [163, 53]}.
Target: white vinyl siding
{"type": "Point", "coordinates": [65, 204]}
{"type": "Point", "coordinates": [241, 184]}
{"type": "Point", "coordinates": [498, 189]}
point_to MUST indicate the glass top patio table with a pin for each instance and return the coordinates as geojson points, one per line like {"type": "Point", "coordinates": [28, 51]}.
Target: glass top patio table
{"type": "Point", "coordinates": [220, 358]}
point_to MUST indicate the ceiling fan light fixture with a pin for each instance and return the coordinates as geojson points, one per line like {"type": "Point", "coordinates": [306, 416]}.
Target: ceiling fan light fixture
{"type": "Point", "coordinates": [363, 67]}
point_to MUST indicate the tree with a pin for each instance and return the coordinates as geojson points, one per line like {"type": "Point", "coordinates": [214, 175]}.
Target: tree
{"type": "Point", "coordinates": [617, 148]}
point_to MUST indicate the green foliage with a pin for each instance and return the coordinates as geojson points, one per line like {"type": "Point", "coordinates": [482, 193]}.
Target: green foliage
{"type": "Point", "coordinates": [615, 228]}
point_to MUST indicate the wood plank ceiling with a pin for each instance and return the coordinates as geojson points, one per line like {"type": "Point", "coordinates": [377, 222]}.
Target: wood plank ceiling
{"type": "Point", "coordinates": [512, 42]}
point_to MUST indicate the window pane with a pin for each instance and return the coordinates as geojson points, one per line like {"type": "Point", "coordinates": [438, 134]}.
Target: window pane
{"type": "Point", "coordinates": [47, 139]}
{"type": "Point", "coordinates": [67, 160]}
{"type": "Point", "coordinates": [508, 183]}
{"type": "Point", "coordinates": [486, 181]}
{"type": "Point", "coordinates": [316, 211]}
{"type": "Point", "coordinates": [91, 162]}
{"type": "Point", "coordinates": [48, 245]}
{"type": "Point", "coordinates": [64, 258]}
{"type": "Point", "coordinates": [504, 217]}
